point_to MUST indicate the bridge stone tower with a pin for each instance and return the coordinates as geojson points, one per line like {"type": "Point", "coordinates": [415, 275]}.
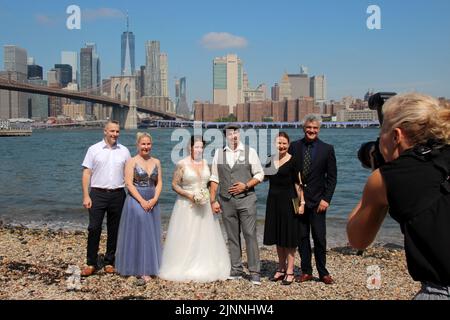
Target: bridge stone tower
{"type": "Point", "coordinates": [124, 88]}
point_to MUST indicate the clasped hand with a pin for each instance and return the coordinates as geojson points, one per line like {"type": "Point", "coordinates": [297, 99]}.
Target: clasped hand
{"type": "Point", "coordinates": [236, 188]}
{"type": "Point", "coordinates": [215, 206]}
{"type": "Point", "coordinates": [148, 205]}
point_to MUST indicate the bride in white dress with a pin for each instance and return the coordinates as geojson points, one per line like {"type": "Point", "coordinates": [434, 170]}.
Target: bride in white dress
{"type": "Point", "coordinates": [195, 248]}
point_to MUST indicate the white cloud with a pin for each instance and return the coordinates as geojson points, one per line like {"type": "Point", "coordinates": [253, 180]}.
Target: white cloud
{"type": "Point", "coordinates": [222, 40]}
{"type": "Point", "coordinates": [94, 14]}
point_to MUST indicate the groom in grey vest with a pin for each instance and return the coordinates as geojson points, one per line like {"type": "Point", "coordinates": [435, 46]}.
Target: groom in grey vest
{"type": "Point", "coordinates": [236, 170]}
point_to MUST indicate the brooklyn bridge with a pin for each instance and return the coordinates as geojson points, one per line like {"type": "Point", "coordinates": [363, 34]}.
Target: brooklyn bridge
{"type": "Point", "coordinates": [125, 111]}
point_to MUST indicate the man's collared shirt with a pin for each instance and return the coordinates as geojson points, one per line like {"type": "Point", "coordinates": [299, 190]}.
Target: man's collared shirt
{"type": "Point", "coordinates": [232, 156]}
{"type": "Point", "coordinates": [107, 165]}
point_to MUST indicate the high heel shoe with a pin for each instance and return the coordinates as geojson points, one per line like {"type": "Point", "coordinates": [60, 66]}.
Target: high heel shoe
{"type": "Point", "coordinates": [285, 282]}
{"type": "Point", "coordinates": [280, 277]}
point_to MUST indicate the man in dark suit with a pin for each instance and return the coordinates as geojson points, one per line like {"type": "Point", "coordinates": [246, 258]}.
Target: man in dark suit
{"type": "Point", "coordinates": [317, 163]}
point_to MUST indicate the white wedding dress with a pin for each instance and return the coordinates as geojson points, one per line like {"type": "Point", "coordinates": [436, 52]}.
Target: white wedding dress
{"type": "Point", "coordinates": [195, 248]}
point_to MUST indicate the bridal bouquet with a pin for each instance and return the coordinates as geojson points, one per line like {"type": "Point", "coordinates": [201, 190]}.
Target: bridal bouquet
{"type": "Point", "coordinates": [201, 196]}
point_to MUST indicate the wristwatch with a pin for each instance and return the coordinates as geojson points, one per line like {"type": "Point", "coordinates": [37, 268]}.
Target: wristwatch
{"type": "Point", "coordinates": [246, 187]}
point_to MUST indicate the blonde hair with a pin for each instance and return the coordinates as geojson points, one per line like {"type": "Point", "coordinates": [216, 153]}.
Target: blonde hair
{"type": "Point", "coordinates": [420, 116]}
{"type": "Point", "coordinates": [141, 135]}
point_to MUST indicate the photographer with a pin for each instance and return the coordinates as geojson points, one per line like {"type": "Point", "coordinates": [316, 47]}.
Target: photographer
{"type": "Point", "coordinates": [414, 186]}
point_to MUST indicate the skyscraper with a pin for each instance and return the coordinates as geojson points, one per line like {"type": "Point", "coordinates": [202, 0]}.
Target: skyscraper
{"type": "Point", "coordinates": [164, 75]}
{"type": "Point", "coordinates": [318, 88]}
{"type": "Point", "coordinates": [66, 74]}
{"type": "Point", "coordinates": [128, 55]}
{"type": "Point", "coordinates": [90, 68]}
{"type": "Point", "coordinates": [228, 81]}
{"type": "Point", "coordinates": [96, 76]}
{"type": "Point", "coordinates": [90, 77]}
{"type": "Point", "coordinates": [15, 59]}
{"type": "Point", "coordinates": [152, 69]}
{"type": "Point", "coordinates": [14, 104]}
{"type": "Point", "coordinates": [35, 72]}
{"type": "Point", "coordinates": [275, 92]}
{"type": "Point", "coordinates": [285, 88]}
{"type": "Point", "coordinates": [182, 107]}
{"type": "Point", "coordinates": [86, 62]}
{"type": "Point", "coordinates": [300, 85]}
{"type": "Point", "coordinates": [38, 102]}
{"type": "Point", "coordinates": [142, 81]}
{"type": "Point", "coordinates": [71, 58]}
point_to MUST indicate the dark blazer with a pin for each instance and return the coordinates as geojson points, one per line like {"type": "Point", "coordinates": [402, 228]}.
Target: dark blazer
{"type": "Point", "coordinates": [323, 176]}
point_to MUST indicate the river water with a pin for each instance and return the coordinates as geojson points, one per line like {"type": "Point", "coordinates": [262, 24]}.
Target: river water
{"type": "Point", "coordinates": [41, 178]}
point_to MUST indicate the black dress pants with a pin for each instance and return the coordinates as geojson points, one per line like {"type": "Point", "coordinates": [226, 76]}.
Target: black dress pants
{"type": "Point", "coordinates": [110, 203]}
{"type": "Point", "coordinates": [314, 222]}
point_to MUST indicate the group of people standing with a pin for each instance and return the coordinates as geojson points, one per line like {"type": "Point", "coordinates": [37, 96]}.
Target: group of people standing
{"type": "Point", "coordinates": [413, 186]}
{"type": "Point", "coordinates": [302, 178]}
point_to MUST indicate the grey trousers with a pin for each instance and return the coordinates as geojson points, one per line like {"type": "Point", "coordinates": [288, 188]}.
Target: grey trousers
{"type": "Point", "coordinates": [237, 215]}
{"type": "Point", "coordinates": [432, 291]}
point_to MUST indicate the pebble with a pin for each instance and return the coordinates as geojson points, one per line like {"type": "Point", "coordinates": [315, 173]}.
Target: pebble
{"type": "Point", "coordinates": [47, 256]}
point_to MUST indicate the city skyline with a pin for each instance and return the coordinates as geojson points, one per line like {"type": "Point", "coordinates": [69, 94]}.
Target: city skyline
{"type": "Point", "coordinates": [328, 38]}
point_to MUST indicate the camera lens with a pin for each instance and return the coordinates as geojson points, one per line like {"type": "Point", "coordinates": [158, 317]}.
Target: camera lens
{"type": "Point", "coordinates": [370, 156]}
{"type": "Point", "coordinates": [365, 154]}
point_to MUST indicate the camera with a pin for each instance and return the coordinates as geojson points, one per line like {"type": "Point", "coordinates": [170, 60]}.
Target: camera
{"type": "Point", "coordinates": [369, 153]}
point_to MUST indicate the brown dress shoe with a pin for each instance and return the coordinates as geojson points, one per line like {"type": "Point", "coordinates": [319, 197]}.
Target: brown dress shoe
{"type": "Point", "coordinates": [327, 279]}
{"type": "Point", "coordinates": [305, 277]}
{"type": "Point", "coordinates": [87, 271]}
{"type": "Point", "coordinates": [109, 269]}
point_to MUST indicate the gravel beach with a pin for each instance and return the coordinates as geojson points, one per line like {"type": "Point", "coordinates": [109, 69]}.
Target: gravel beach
{"type": "Point", "coordinates": [34, 265]}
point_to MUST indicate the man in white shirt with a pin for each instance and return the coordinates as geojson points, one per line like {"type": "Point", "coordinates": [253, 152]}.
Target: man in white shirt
{"type": "Point", "coordinates": [103, 172]}
{"type": "Point", "coordinates": [236, 170]}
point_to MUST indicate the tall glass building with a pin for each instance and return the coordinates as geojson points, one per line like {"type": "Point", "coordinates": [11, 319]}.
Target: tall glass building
{"type": "Point", "coordinates": [90, 76]}
{"type": "Point", "coordinates": [182, 107]}
{"type": "Point", "coordinates": [71, 58]}
{"type": "Point", "coordinates": [152, 69]}
{"type": "Point", "coordinates": [127, 58]}
{"type": "Point", "coordinates": [14, 104]}
{"type": "Point", "coordinates": [228, 81]}
{"type": "Point", "coordinates": [86, 58]}
{"type": "Point", "coordinates": [66, 74]}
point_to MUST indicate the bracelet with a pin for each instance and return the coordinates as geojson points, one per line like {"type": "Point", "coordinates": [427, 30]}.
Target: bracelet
{"type": "Point", "coordinates": [302, 202]}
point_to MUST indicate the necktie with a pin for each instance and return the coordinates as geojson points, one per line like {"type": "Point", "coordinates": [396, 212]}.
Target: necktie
{"type": "Point", "coordinates": [307, 161]}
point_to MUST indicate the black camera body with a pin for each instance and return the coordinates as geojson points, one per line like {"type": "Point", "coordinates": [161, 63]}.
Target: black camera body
{"type": "Point", "coordinates": [369, 153]}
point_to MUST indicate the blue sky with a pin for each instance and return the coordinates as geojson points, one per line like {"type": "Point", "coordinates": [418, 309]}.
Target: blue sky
{"type": "Point", "coordinates": [410, 52]}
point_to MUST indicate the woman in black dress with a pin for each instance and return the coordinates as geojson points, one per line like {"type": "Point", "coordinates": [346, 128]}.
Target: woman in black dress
{"type": "Point", "coordinates": [282, 225]}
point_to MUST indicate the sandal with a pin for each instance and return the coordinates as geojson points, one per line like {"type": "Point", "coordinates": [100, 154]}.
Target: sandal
{"type": "Point", "coordinates": [280, 277]}
{"type": "Point", "coordinates": [285, 282]}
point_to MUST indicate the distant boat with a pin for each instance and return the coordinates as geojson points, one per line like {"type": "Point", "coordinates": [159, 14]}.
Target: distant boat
{"type": "Point", "coordinates": [15, 127]}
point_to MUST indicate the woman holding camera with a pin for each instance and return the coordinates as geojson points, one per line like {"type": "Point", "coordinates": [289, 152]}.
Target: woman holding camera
{"type": "Point", "coordinates": [414, 186]}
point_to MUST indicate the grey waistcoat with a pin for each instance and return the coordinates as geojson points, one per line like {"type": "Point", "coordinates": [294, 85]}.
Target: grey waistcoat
{"type": "Point", "coordinates": [241, 172]}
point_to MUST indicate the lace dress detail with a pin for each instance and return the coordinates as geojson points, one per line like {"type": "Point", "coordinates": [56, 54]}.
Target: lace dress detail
{"type": "Point", "coordinates": [195, 248]}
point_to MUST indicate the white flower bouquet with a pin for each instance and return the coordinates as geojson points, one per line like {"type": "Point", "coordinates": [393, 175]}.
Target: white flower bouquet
{"type": "Point", "coordinates": [201, 196]}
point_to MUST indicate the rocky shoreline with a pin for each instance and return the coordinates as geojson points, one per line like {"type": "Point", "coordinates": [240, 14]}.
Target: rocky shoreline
{"type": "Point", "coordinates": [35, 265]}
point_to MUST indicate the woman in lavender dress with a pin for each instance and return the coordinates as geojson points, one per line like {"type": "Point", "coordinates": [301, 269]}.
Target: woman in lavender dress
{"type": "Point", "coordinates": [139, 239]}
